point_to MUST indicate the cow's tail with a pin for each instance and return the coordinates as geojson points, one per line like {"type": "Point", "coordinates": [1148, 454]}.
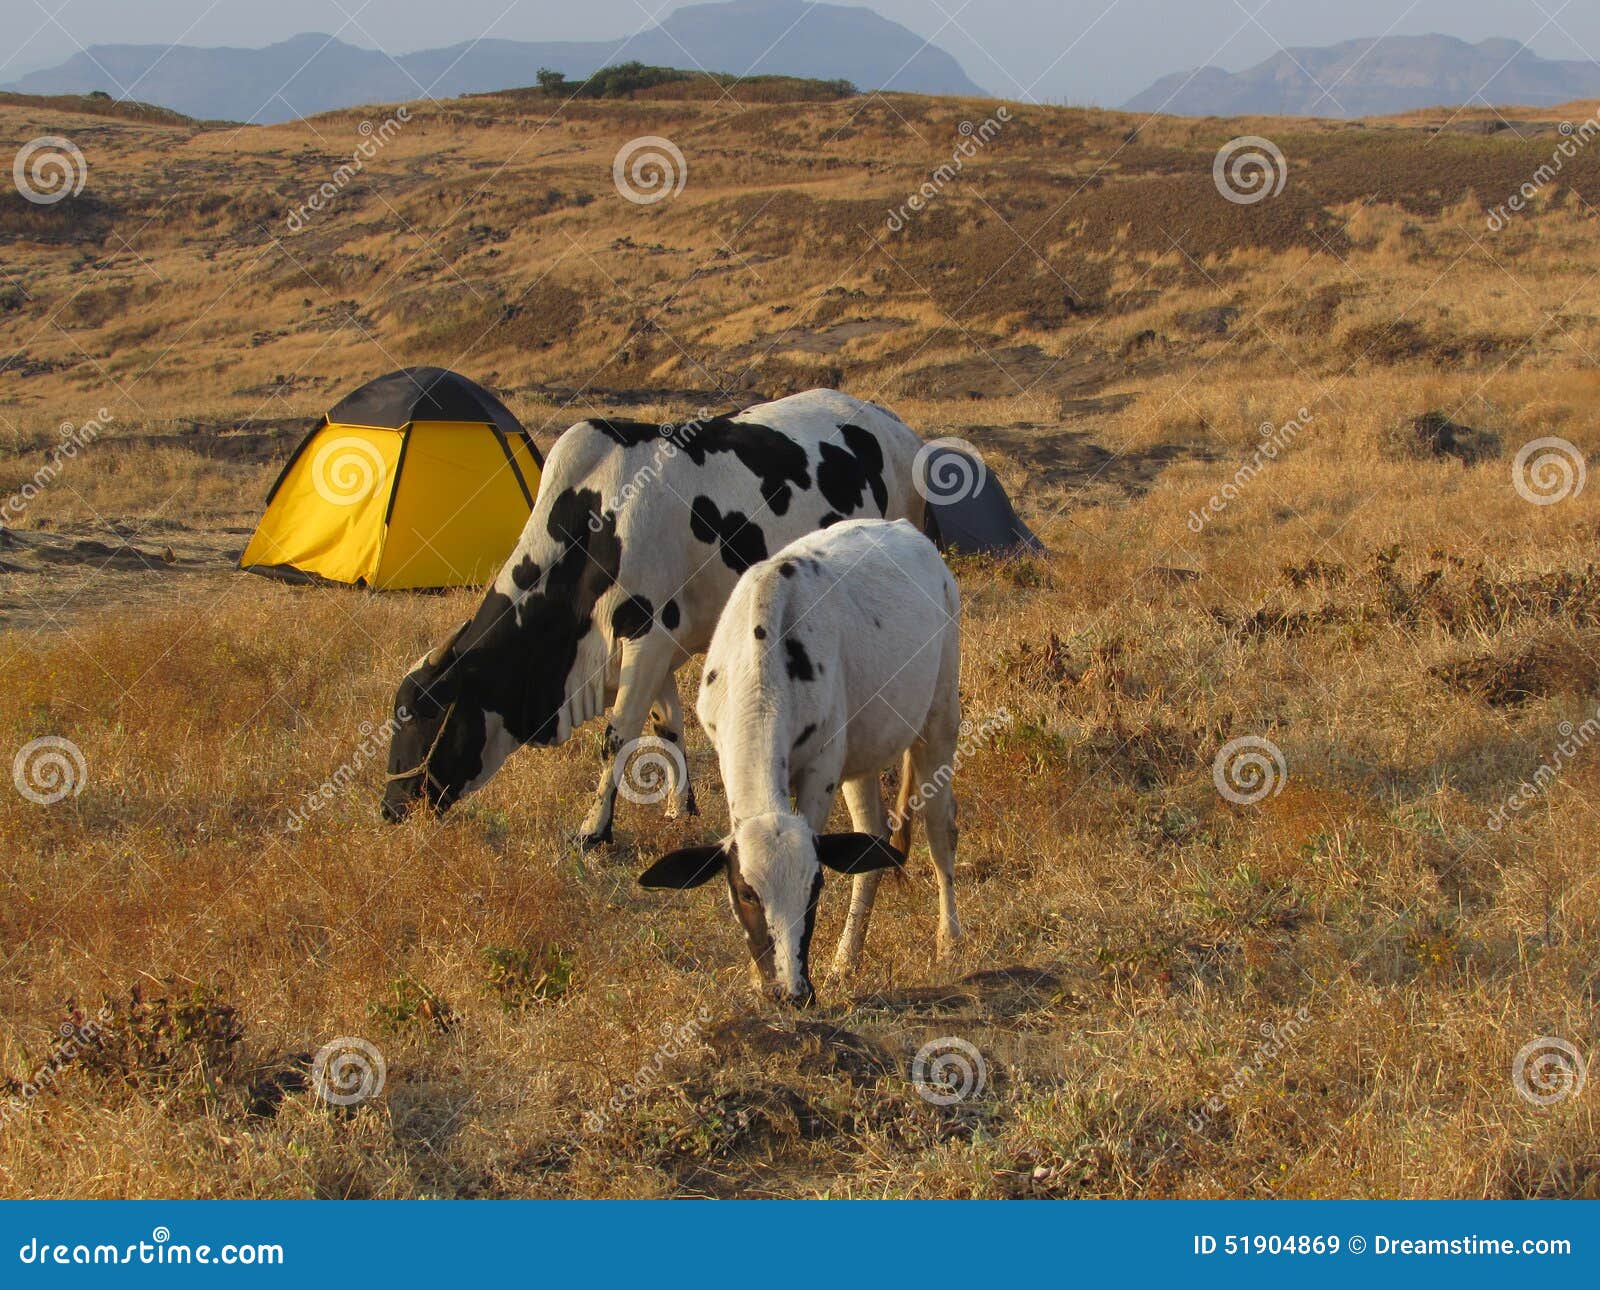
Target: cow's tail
{"type": "Point", "coordinates": [900, 822]}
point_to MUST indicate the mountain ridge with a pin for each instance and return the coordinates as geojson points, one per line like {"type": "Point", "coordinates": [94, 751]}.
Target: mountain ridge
{"type": "Point", "coordinates": [1375, 76]}
{"type": "Point", "coordinates": [313, 72]}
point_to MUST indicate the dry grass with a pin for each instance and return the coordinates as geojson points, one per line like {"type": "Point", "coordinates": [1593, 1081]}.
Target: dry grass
{"type": "Point", "coordinates": [1378, 601]}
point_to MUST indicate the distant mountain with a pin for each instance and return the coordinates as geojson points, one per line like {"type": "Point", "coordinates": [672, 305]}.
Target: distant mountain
{"type": "Point", "coordinates": [314, 73]}
{"type": "Point", "coordinates": [1375, 77]}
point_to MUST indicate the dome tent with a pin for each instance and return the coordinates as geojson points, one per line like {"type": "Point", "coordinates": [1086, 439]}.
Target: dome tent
{"type": "Point", "coordinates": [419, 479]}
{"type": "Point", "coordinates": [975, 515]}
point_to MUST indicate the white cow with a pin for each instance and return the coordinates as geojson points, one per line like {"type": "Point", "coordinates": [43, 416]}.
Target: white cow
{"type": "Point", "coordinates": [832, 659]}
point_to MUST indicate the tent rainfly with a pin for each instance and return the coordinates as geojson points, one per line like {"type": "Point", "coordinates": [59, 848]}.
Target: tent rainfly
{"type": "Point", "coordinates": [420, 478]}
{"type": "Point", "coordinates": [974, 515]}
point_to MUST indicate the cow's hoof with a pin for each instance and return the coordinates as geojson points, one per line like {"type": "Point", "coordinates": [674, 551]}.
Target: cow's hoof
{"type": "Point", "coordinates": [593, 841]}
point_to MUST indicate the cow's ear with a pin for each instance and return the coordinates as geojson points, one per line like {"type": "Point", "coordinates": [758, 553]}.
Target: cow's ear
{"type": "Point", "coordinates": [441, 653]}
{"type": "Point", "coordinates": [686, 868]}
{"type": "Point", "coordinates": [857, 853]}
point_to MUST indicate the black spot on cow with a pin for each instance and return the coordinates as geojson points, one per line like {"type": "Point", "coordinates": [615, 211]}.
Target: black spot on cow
{"type": "Point", "coordinates": [829, 520]}
{"type": "Point", "coordinates": [625, 433]}
{"type": "Point", "coordinates": [761, 632]}
{"type": "Point", "coordinates": [798, 662]}
{"type": "Point", "coordinates": [776, 460]}
{"type": "Point", "coordinates": [525, 573]}
{"type": "Point", "coordinates": [846, 473]}
{"type": "Point", "coordinates": [806, 734]}
{"type": "Point", "coordinates": [711, 677]}
{"type": "Point", "coordinates": [876, 621]}
{"type": "Point", "coordinates": [632, 618]}
{"type": "Point", "coordinates": [666, 732]}
{"type": "Point", "coordinates": [669, 615]}
{"type": "Point", "coordinates": [787, 568]}
{"type": "Point", "coordinates": [740, 539]}
{"type": "Point", "coordinates": [513, 659]}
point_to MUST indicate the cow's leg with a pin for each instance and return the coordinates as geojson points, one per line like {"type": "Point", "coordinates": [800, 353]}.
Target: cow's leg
{"type": "Point", "coordinates": [666, 719]}
{"type": "Point", "coordinates": [938, 815]}
{"type": "Point", "coordinates": [933, 759]}
{"type": "Point", "coordinates": [646, 664]}
{"type": "Point", "coordinates": [865, 801]}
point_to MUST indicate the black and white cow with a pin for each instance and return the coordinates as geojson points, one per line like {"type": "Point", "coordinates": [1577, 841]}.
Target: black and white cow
{"type": "Point", "coordinates": [832, 659]}
{"type": "Point", "coordinates": [635, 542]}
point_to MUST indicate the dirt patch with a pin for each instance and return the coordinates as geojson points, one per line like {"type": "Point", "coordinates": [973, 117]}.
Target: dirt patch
{"type": "Point", "coordinates": [51, 578]}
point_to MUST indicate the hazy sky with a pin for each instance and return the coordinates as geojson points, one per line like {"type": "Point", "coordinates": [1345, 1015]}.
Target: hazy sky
{"type": "Point", "coordinates": [1080, 51]}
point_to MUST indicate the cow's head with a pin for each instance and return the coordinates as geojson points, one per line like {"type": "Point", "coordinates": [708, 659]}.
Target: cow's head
{"type": "Point", "coordinates": [774, 868]}
{"type": "Point", "coordinates": [448, 736]}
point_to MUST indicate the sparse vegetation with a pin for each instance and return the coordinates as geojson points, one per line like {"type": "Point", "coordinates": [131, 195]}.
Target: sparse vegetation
{"type": "Point", "coordinates": [1416, 638]}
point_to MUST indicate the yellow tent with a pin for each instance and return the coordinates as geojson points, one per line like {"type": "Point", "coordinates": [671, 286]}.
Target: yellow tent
{"type": "Point", "coordinates": [420, 478]}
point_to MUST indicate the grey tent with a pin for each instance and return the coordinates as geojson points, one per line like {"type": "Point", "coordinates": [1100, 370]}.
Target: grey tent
{"type": "Point", "coordinates": [968, 511]}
